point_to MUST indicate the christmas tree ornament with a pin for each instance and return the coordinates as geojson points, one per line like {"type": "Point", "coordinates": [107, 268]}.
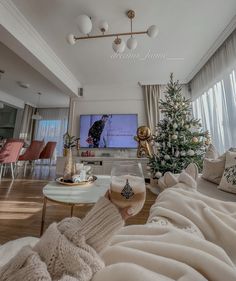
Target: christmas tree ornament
{"type": "Point", "coordinates": [174, 137]}
{"type": "Point", "coordinates": [195, 139]}
{"type": "Point", "coordinates": [208, 142]}
{"type": "Point", "coordinates": [198, 152]}
{"type": "Point", "coordinates": [190, 152]}
{"type": "Point", "coordinates": [163, 163]}
{"type": "Point", "coordinates": [175, 125]}
{"type": "Point", "coordinates": [177, 153]}
{"type": "Point", "coordinates": [157, 144]}
{"type": "Point", "coordinates": [186, 126]}
{"type": "Point", "coordinates": [158, 175]}
{"type": "Point", "coordinates": [167, 157]}
{"type": "Point", "coordinates": [183, 153]}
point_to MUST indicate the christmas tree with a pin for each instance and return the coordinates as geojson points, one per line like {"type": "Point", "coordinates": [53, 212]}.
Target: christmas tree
{"type": "Point", "coordinates": [179, 138]}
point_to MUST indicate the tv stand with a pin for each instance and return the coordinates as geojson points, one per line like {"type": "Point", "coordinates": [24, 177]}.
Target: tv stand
{"type": "Point", "coordinates": [101, 165]}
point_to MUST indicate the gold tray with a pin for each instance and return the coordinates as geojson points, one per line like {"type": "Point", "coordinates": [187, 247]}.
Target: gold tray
{"type": "Point", "coordinates": [88, 182]}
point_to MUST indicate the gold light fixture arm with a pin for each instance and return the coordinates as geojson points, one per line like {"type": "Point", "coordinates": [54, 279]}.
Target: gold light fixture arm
{"type": "Point", "coordinates": [110, 35]}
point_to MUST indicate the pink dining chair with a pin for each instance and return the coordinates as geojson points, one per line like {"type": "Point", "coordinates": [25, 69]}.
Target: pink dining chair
{"type": "Point", "coordinates": [9, 154]}
{"type": "Point", "coordinates": [32, 153]}
{"type": "Point", "coordinates": [47, 152]}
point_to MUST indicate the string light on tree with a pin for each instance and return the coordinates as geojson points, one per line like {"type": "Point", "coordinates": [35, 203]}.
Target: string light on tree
{"type": "Point", "coordinates": [180, 139]}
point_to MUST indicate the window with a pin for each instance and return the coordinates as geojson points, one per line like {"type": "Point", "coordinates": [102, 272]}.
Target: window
{"type": "Point", "coordinates": [217, 110]}
{"type": "Point", "coordinates": [52, 130]}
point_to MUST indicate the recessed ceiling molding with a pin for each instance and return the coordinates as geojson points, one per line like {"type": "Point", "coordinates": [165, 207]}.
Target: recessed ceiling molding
{"type": "Point", "coordinates": [220, 40]}
{"type": "Point", "coordinates": [28, 44]}
{"type": "Point", "coordinates": [11, 100]}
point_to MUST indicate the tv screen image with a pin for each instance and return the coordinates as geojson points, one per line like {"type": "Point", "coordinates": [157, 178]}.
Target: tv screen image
{"type": "Point", "coordinates": [108, 131]}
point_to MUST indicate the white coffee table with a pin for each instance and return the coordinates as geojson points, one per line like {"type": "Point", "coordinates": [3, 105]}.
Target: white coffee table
{"type": "Point", "coordinates": [73, 195]}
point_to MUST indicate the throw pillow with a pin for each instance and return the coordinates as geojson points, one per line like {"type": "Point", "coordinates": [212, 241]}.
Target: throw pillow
{"type": "Point", "coordinates": [228, 181]}
{"type": "Point", "coordinates": [213, 169]}
{"type": "Point", "coordinates": [211, 152]}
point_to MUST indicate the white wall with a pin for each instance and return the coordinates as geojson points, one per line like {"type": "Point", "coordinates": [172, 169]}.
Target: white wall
{"type": "Point", "coordinates": [110, 99]}
{"type": "Point", "coordinates": [11, 100]}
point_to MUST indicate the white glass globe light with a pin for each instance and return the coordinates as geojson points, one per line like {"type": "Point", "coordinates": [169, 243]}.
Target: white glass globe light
{"type": "Point", "coordinates": [84, 24]}
{"type": "Point", "coordinates": [118, 45]}
{"type": "Point", "coordinates": [36, 116]}
{"type": "Point", "coordinates": [70, 39]}
{"type": "Point", "coordinates": [103, 26]}
{"type": "Point", "coordinates": [152, 31]}
{"type": "Point", "coordinates": [132, 43]}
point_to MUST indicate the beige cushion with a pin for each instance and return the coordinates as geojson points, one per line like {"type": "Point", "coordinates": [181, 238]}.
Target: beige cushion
{"type": "Point", "coordinates": [228, 181]}
{"type": "Point", "coordinates": [213, 169]}
{"type": "Point", "coordinates": [211, 152]}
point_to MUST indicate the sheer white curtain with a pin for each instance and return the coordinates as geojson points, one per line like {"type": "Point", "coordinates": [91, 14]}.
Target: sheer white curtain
{"type": "Point", "coordinates": [52, 127]}
{"type": "Point", "coordinates": [213, 91]}
{"type": "Point", "coordinates": [223, 61]}
{"type": "Point", "coordinates": [217, 110]}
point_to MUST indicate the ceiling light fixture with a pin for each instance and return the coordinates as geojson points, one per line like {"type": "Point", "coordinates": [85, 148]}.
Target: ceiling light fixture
{"type": "Point", "coordinates": [85, 26]}
{"type": "Point", "coordinates": [36, 115]}
{"type": "Point", "coordinates": [23, 85]}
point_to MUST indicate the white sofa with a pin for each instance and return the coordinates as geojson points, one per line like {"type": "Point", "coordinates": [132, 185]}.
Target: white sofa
{"type": "Point", "coordinates": [210, 189]}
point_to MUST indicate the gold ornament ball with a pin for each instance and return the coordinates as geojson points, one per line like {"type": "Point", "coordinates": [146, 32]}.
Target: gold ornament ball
{"type": "Point", "coordinates": [195, 139]}
{"type": "Point", "coordinates": [207, 142]}
{"type": "Point", "coordinates": [174, 137]}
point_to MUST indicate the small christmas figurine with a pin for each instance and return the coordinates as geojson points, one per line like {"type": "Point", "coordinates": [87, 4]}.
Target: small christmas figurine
{"type": "Point", "coordinates": [144, 139]}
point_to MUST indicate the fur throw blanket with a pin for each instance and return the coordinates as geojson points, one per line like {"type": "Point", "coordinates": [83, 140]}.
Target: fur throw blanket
{"type": "Point", "coordinates": [188, 236]}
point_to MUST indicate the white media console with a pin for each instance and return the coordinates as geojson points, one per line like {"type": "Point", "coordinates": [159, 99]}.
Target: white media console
{"type": "Point", "coordinates": [101, 165]}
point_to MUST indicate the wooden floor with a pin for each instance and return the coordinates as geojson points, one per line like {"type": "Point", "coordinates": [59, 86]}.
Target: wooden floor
{"type": "Point", "coordinates": [21, 205]}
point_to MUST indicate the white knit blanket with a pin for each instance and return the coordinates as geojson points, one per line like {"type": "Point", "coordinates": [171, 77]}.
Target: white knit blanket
{"type": "Point", "coordinates": [188, 237]}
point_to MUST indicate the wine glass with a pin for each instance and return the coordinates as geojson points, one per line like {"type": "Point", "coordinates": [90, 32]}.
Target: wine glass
{"type": "Point", "coordinates": [127, 187]}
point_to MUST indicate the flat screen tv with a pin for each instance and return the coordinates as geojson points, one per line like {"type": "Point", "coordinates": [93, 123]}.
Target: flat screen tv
{"type": "Point", "coordinates": [108, 131]}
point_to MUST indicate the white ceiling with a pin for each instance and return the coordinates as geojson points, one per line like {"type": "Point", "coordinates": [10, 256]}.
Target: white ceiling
{"type": "Point", "coordinates": [188, 28]}
{"type": "Point", "coordinates": [17, 70]}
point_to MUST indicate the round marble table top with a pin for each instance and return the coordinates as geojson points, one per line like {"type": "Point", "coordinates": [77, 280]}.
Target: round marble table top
{"type": "Point", "coordinates": [77, 194]}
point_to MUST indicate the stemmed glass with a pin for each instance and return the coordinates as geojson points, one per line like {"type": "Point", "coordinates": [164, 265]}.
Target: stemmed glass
{"type": "Point", "coordinates": [127, 187]}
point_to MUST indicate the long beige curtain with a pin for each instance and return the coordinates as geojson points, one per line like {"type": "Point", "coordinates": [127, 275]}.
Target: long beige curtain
{"type": "Point", "coordinates": [151, 102]}
{"type": "Point", "coordinates": [26, 131]}
{"type": "Point", "coordinates": [73, 116]}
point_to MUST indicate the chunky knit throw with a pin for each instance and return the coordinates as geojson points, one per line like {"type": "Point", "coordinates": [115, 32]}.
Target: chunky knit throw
{"type": "Point", "coordinates": [68, 251]}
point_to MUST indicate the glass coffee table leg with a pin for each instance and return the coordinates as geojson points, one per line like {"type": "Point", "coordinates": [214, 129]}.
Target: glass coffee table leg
{"type": "Point", "coordinates": [43, 215]}
{"type": "Point", "coordinates": [72, 210]}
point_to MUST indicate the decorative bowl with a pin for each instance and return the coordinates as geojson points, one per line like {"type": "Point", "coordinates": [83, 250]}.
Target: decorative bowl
{"type": "Point", "coordinates": [87, 182]}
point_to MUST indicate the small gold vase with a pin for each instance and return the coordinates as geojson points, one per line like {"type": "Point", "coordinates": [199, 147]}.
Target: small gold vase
{"type": "Point", "coordinates": [65, 151]}
{"type": "Point", "coordinates": [69, 165]}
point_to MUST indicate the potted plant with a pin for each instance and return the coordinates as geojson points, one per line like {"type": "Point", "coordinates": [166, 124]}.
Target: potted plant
{"type": "Point", "coordinates": [69, 143]}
